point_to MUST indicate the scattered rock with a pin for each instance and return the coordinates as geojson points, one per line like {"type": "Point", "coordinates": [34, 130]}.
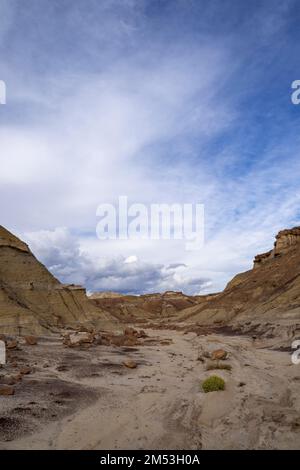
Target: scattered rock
{"type": "Point", "coordinates": [105, 341]}
{"type": "Point", "coordinates": [25, 370]}
{"type": "Point", "coordinates": [122, 340]}
{"type": "Point", "coordinates": [116, 340]}
{"type": "Point", "coordinates": [202, 354]}
{"type": "Point", "coordinates": [31, 340]}
{"type": "Point", "coordinates": [219, 355]}
{"type": "Point", "coordinates": [78, 338]}
{"type": "Point", "coordinates": [130, 364]}
{"type": "Point", "coordinates": [130, 331]}
{"type": "Point", "coordinates": [98, 340]}
{"type": "Point", "coordinates": [12, 344]}
{"type": "Point", "coordinates": [10, 379]}
{"type": "Point", "coordinates": [166, 342]}
{"type": "Point", "coordinates": [142, 334]}
{"type": "Point", "coordinates": [6, 390]}
{"type": "Point", "coordinates": [131, 341]}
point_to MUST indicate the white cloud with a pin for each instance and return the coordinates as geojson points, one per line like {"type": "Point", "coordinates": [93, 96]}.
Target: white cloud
{"type": "Point", "coordinates": [68, 261]}
{"type": "Point", "coordinates": [136, 117]}
{"type": "Point", "coordinates": [131, 259]}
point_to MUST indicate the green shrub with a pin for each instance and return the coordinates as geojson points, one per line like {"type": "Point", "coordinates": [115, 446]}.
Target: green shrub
{"type": "Point", "coordinates": [213, 384]}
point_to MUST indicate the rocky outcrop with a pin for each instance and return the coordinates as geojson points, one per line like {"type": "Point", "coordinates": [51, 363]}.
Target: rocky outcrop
{"type": "Point", "coordinates": [269, 295]}
{"type": "Point", "coordinates": [285, 241]}
{"type": "Point", "coordinates": [32, 300]}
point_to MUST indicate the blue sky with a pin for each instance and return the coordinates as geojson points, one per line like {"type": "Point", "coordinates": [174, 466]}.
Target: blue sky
{"type": "Point", "coordinates": [166, 101]}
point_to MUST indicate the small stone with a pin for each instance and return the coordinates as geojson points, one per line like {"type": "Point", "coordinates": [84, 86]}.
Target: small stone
{"type": "Point", "coordinates": [130, 331]}
{"type": "Point", "coordinates": [130, 364]}
{"type": "Point", "coordinates": [142, 334]}
{"type": "Point", "coordinates": [6, 390]}
{"type": "Point", "coordinates": [78, 338]}
{"type": "Point", "coordinates": [30, 340]}
{"type": "Point", "coordinates": [11, 379]}
{"type": "Point", "coordinates": [25, 370]}
{"type": "Point", "coordinates": [219, 354]}
{"type": "Point", "coordinates": [98, 340]}
{"type": "Point", "coordinates": [131, 341]}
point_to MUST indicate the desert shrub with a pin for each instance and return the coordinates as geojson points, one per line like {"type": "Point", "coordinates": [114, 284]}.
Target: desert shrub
{"type": "Point", "coordinates": [213, 384]}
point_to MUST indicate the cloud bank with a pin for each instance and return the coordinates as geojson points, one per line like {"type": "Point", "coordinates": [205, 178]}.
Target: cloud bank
{"type": "Point", "coordinates": [165, 102]}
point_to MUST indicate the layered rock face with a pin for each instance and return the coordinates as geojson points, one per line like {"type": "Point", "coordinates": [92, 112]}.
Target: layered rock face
{"type": "Point", "coordinates": [270, 293]}
{"type": "Point", "coordinates": [143, 307]}
{"type": "Point", "coordinates": [285, 240]}
{"type": "Point", "coordinates": [32, 300]}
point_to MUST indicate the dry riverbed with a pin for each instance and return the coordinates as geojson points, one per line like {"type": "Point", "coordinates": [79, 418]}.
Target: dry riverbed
{"type": "Point", "coordinates": [87, 399]}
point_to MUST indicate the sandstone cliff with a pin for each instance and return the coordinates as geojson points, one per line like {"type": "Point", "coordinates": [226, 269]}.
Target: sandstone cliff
{"type": "Point", "coordinates": [268, 294]}
{"type": "Point", "coordinates": [285, 240]}
{"type": "Point", "coordinates": [32, 300]}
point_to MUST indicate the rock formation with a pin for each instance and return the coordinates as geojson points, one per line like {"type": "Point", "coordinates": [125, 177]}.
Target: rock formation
{"type": "Point", "coordinates": [143, 307]}
{"type": "Point", "coordinates": [285, 240]}
{"type": "Point", "coordinates": [268, 295]}
{"type": "Point", "coordinates": [32, 300]}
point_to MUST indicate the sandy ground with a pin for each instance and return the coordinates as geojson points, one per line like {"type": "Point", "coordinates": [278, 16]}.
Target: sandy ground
{"type": "Point", "coordinates": [86, 399]}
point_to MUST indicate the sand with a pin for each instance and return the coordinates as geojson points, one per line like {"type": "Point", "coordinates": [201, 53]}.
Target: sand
{"type": "Point", "coordinates": [86, 399]}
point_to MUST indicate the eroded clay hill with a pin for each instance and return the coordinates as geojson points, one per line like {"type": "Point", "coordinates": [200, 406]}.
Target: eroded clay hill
{"type": "Point", "coordinates": [146, 307]}
{"type": "Point", "coordinates": [267, 296]}
{"type": "Point", "coordinates": [32, 300]}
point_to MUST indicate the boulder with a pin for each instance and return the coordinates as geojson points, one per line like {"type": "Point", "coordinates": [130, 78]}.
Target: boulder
{"type": "Point", "coordinates": [78, 338]}
{"type": "Point", "coordinates": [30, 340]}
{"type": "Point", "coordinates": [117, 340]}
{"type": "Point", "coordinates": [130, 332]}
{"type": "Point", "coordinates": [130, 364]}
{"type": "Point", "coordinates": [10, 379]}
{"type": "Point", "coordinates": [131, 341]}
{"type": "Point", "coordinates": [219, 355]}
{"type": "Point", "coordinates": [11, 344]}
{"type": "Point", "coordinates": [142, 334]}
{"type": "Point", "coordinates": [98, 339]}
{"type": "Point", "coordinates": [25, 370]}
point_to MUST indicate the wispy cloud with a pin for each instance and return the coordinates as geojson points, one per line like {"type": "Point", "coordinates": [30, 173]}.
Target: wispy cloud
{"type": "Point", "coordinates": [164, 104]}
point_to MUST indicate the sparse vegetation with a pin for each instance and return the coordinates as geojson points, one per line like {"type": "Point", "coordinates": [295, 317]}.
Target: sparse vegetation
{"type": "Point", "coordinates": [213, 384]}
{"type": "Point", "coordinates": [220, 366]}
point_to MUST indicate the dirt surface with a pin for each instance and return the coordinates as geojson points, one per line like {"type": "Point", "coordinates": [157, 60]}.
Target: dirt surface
{"type": "Point", "coordinates": [87, 399]}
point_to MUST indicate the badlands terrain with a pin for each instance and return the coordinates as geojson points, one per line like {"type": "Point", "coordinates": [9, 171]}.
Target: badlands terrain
{"type": "Point", "coordinates": [126, 372]}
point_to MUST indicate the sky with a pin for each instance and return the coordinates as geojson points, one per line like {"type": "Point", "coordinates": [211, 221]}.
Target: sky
{"type": "Point", "coordinates": [164, 101]}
